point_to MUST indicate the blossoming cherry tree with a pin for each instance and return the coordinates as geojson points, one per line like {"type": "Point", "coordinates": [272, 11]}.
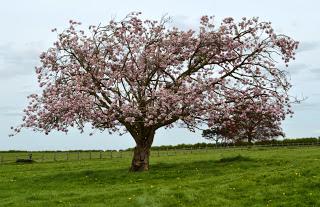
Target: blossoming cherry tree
{"type": "Point", "coordinates": [138, 75]}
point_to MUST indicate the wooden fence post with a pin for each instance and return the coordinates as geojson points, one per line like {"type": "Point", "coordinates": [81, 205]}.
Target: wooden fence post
{"type": "Point", "coordinates": [111, 154]}
{"type": "Point", "coordinates": [100, 155]}
{"type": "Point", "coordinates": [90, 155]}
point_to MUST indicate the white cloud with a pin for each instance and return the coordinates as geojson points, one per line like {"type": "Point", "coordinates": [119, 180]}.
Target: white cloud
{"type": "Point", "coordinates": [308, 46]}
{"type": "Point", "coordinates": [17, 60]}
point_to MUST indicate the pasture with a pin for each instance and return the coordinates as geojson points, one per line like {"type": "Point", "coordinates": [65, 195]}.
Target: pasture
{"type": "Point", "coordinates": [234, 177]}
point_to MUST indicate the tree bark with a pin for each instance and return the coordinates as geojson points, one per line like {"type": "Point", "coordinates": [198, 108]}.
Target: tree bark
{"type": "Point", "coordinates": [141, 153]}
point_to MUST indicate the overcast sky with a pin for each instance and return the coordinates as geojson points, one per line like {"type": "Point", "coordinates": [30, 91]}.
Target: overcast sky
{"type": "Point", "coordinates": [26, 31]}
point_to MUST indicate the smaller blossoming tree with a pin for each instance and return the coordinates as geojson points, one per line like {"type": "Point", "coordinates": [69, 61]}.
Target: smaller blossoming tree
{"type": "Point", "coordinates": [138, 75]}
{"type": "Point", "coordinates": [250, 120]}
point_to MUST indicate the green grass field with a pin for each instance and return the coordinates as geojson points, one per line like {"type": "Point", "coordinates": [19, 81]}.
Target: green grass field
{"type": "Point", "coordinates": [253, 177]}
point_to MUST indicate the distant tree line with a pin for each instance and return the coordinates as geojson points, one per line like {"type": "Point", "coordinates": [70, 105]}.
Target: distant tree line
{"type": "Point", "coordinates": [222, 144]}
{"type": "Point", "coordinates": [195, 146]}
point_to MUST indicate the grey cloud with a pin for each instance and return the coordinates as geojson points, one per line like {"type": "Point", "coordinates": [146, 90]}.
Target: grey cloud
{"type": "Point", "coordinates": [315, 74]}
{"type": "Point", "coordinates": [29, 89]}
{"type": "Point", "coordinates": [18, 60]}
{"type": "Point", "coordinates": [12, 114]}
{"type": "Point", "coordinates": [295, 23]}
{"type": "Point", "coordinates": [308, 46]}
{"type": "Point", "coordinates": [182, 22]}
{"type": "Point", "coordinates": [305, 106]}
{"type": "Point", "coordinates": [10, 111]}
{"type": "Point", "coordinates": [297, 68]}
{"type": "Point", "coordinates": [315, 70]}
{"type": "Point", "coordinates": [6, 108]}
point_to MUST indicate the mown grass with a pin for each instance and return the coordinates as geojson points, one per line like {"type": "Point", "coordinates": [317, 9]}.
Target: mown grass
{"type": "Point", "coordinates": [270, 177]}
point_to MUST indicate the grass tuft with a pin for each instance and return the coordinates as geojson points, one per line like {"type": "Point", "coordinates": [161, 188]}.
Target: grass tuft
{"type": "Point", "coordinates": [236, 158]}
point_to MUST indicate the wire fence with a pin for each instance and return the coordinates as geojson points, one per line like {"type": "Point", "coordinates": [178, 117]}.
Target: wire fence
{"type": "Point", "coordinates": [12, 157]}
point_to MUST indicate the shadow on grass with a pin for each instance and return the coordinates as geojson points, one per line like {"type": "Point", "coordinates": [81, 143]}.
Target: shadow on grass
{"type": "Point", "coordinates": [237, 158]}
{"type": "Point", "coordinates": [159, 172]}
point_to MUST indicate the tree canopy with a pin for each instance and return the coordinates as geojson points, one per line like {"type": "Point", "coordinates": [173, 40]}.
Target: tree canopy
{"type": "Point", "coordinates": [138, 75]}
{"type": "Point", "coordinates": [250, 120]}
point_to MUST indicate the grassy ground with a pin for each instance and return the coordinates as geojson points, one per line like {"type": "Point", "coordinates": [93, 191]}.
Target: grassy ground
{"type": "Point", "coordinates": [269, 177]}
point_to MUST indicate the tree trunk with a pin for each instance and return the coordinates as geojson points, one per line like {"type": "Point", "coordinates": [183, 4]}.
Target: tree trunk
{"type": "Point", "coordinates": [141, 153]}
{"type": "Point", "coordinates": [140, 160]}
